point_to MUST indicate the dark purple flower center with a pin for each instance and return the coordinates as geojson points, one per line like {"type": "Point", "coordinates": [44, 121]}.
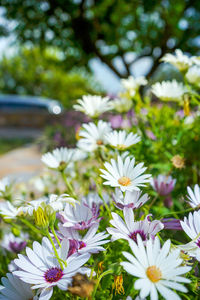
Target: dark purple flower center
{"type": "Point", "coordinates": [134, 234]}
{"type": "Point", "coordinates": [198, 243]}
{"type": "Point", "coordinates": [82, 244]}
{"type": "Point", "coordinates": [53, 275]}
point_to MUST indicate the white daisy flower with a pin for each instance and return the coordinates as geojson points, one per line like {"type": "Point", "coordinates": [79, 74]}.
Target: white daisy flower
{"type": "Point", "coordinates": [93, 201]}
{"type": "Point", "coordinates": [194, 196]}
{"type": "Point", "coordinates": [121, 105]}
{"type": "Point", "coordinates": [131, 199]}
{"type": "Point", "coordinates": [41, 269]}
{"type": "Point", "coordinates": [196, 60]}
{"type": "Point", "coordinates": [129, 228]}
{"type": "Point", "coordinates": [169, 90]}
{"type": "Point", "coordinates": [121, 139]}
{"type": "Point", "coordinates": [5, 186]}
{"type": "Point", "coordinates": [179, 60]}
{"type": "Point", "coordinates": [191, 226]}
{"type": "Point", "coordinates": [193, 75]}
{"type": "Point", "coordinates": [89, 243]}
{"type": "Point", "coordinates": [158, 269]}
{"type": "Point", "coordinates": [7, 210]}
{"type": "Point", "coordinates": [14, 244]}
{"type": "Point", "coordinates": [79, 217]}
{"type": "Point", "coordinates": [56, 202]}
{"type": "Point", "coordinates": [124, 174]}
{"type": "Point", "coordinates": [163, 184]}
{"type": "Point", "coordinates": [59, 159]}
{"type": "Point", "coordinates": [132, 84]}
{"type": "Point", "coordinates": [13, 288]}
{"type": "Point", "coordinates": [93, 106]}
{"type": "Point", "coordinates": [79, 155]}
{"type": "Point", "coordinates": [93, 136]}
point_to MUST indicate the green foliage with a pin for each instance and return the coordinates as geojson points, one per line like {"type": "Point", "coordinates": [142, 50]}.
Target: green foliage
{"type": "Point", "coordinates": [41, 73]}
{"type": "Point", "coordinates": [107, 29]}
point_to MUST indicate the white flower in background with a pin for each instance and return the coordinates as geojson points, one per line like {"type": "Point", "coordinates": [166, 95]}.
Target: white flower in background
{"type": "Point", "coordinates": [163, 184]}
{"type": "Point", "coordinates": [79, 217]}
{"type": "Point", "coordinates": [191, 226]}
{"type": "Point", "coordinates": [169, 90]}
{"type": "Point", "coordinates": [132, 84]}
{"type": "Point", "coordinates": [13, 288]}
{"type": "Point", "coordinates": [14, 244]}
{"type": "Point", "coordinates": [121, 139]}
{"type": "Point", "coordinates": [193, 75]}
{"type": "Point", "coordinates": [7, 210]}
{"type": "Point", "coordinates": [124, 174]}
{"type": "Point", "coordinates": [93, 106]}
{"type": "Point", "coordinates": [93, 200]}
{"type": "Point", "coordinates": [89, 243]}
{"type": "Point", "coordinates": [158, 269]}
{"type": "Point", "coordinates": [131, 199]}
{"type": "Point", "coordinates": [196, 60]}
{"type": "Point", "coordinates": [93, 136]}
{"type": "Point", "coordinates": [179, 60]}
{"type": "Point", "coordinates": [121, 105]}
{"type": "Point", "coordinates": [41, 269]}
{"type": "Point", "coordinates": [194, 196]}
{"type": "Point", "coordinates": [79, 155]}
{"type": "Point", "coordinates": [56, 202]}
{"type": "Point", "coordinates": [129, 228]}
{"type": "Point", "coordinates": [59, 159]}
{"type": "Point", "coordinates": [5, 186]}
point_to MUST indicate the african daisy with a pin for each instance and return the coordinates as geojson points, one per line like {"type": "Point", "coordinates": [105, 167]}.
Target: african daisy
{"type": "Point", "coordinates": [59, 159]}
{"type": "Point", "coordinates": [93, 106]}
{"type": "Point", "coordinates": [41, 269]}
{"type": "Point", "coordinates": [169, 90]}
{"type": "Point", "coordinates": [179, 60]}
{"type": "Point", "coordinates": [158, 269]}
{"type": "Point", "coordinates": [92, 136]}
{"type": "Point", "coordinates": [89, 243]}
{"type": "Point", "coordinates": [124, 174]}
{"type": "Point", "coordinates": [191, 226]}
{"type": "Point", "coordinates": [129, 228]}
{"type": "Point", "coordinates": [194, 196]}
{"type": "Point", "coordinates": [13, 288]}
{"type": "Point", "coordinates": [122, 140]}
{"type": "Point", "coordinates": [131, 199]}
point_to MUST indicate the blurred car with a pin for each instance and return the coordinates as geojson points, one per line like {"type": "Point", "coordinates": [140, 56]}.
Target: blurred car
{"type": "Point", "coordinates": [28, 111]}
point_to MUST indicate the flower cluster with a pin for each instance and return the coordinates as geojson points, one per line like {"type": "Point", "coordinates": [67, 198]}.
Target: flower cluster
{"type": "Point", "coordinates": [104, 206]}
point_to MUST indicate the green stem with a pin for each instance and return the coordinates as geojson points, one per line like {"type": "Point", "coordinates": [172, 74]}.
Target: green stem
{"type": "Point", "coordinates": [68, 184]}
{"type": "Point", "coordinates": [54, 248]}
{"type": "Point", "coordinates": [99, 279]}
{"type": "Point", "coordinates": [105, 204]}
{"type": "Point", "coordinates": [177, 213]}
{"type": "Point", "coordinates": [32, 227]}
{"type": "Point", "coordinates": [55, 235]}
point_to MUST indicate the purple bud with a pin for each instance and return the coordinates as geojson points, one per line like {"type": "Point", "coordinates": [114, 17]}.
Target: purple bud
{"type": "Point", "coordinates": [17, 247]}
{"type": "Point", "coordinates": [171, 224]}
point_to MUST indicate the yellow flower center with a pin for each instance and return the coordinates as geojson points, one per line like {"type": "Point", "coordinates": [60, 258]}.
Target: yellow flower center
{"type": "Point", "coordinates": [99, 142]}
{"type": "Point", "coordinates": [121, 146]}
{"type": "Point", "coordinates": [125, 181]}
{"type": "Point", "coordinates": [154, 274]}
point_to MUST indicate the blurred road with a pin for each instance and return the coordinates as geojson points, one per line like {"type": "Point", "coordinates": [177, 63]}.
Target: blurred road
{"type": "Point", "coordinates": [12, 132]}
{"type": "Point", "coordinates": [21, 163]}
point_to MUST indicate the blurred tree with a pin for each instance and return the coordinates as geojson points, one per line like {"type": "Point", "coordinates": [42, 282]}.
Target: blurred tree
{"type": "Point", "coordinates": [108, 29]}
{"type": "Point", "coordinates": [36, 72]}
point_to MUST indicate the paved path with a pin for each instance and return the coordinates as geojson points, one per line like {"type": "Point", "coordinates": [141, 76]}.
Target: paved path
{"type": "Point", "coordinates": [21, 163]}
